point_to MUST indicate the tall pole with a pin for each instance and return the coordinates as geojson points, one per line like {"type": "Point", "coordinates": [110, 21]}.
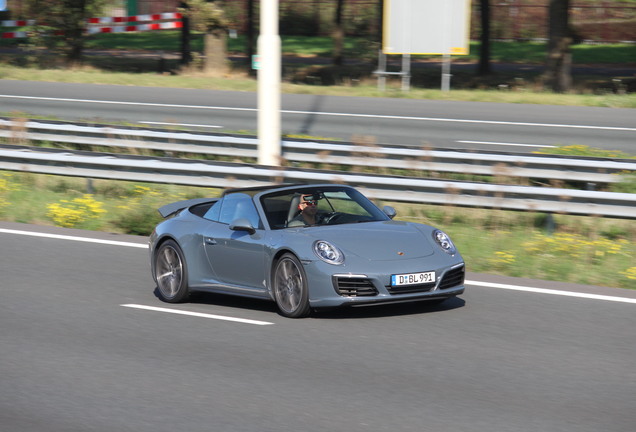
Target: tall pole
{"type": "Point", "coordinates": [446, 58]}
{"type": "Point", "coordinates": [250, 37]}
{"type": "Point", "coordinates": [269, 53]}
{"type": "Point", "coordinates": [131, 7]}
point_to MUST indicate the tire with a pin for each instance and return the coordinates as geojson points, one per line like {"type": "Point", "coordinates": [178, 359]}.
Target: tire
{"type": "Point", "coordinates": [171, 273]}
{"type": "Point", "coordinates": [290, 287]}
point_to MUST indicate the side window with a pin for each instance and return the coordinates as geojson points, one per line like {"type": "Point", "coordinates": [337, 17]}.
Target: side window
{"type": "Point", "coordinates": [239, 205]}
{"type": "Point", "coordinates": [214, 211]}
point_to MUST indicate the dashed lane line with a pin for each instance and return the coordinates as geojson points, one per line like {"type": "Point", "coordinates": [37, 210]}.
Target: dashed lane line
{"type": "Point", "coordinates": [197, 314]}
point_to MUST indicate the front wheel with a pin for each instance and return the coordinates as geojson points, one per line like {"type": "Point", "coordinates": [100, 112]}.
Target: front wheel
{"type": "Point", "coordinates": [290, 287]}
{"type": "Point", "coordinates": [171, 273]}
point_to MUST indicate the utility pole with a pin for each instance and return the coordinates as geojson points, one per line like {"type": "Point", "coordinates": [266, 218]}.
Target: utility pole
{"type": "Point", "coordinates": [269, 53]}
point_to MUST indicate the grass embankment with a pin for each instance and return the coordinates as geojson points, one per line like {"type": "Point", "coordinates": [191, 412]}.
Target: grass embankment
{"type": "Point", "coordinates": [574, 249]}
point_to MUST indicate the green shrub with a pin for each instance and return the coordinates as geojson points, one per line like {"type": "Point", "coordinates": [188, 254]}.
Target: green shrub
{"type": "Point", "coordinates": [626, 185]}
{"type": "Point", "coordinates": [139, 221]}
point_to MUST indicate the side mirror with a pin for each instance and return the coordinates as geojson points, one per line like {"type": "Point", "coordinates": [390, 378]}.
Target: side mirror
{"type": "Point", "coordinates": [389, 211]}
{"type": "Point", "coordinates": [242, 224]}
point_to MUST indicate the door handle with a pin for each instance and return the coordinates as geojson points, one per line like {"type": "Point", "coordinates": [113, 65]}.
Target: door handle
{"type": "Point", "coordinates": [210, 241]}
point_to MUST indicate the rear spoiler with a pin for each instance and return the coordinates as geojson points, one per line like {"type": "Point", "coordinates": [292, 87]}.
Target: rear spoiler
{"type": "Point", "coordinates": [174, 207]}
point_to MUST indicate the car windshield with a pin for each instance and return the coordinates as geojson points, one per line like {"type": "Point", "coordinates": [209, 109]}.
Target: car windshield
{"type": "Point", "coordinates": [317, 206]}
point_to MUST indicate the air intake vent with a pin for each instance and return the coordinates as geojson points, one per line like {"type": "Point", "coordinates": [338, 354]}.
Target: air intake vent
{"type": "Point", "coordinates": [407, 289]}
{"type": "Point", "coordinates": [354, 286]}
{"type": "Point", "coordinates": [453, 278]}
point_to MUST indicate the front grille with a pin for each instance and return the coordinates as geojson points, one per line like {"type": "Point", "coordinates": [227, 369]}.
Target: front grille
{"type": "Point", "coordinates": [354, 286]}
{"type": "Point", "coordinates": [453, 278]}
{"type": "Point", "coordinates": [407, 289]}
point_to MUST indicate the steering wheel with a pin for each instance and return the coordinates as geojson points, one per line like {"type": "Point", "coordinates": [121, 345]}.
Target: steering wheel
{"type": "Point", "coordinates": [331, 218]}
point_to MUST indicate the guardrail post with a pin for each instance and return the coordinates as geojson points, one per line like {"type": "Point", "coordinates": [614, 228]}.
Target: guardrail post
{"type": "Point", "coordinates": [550, 224]}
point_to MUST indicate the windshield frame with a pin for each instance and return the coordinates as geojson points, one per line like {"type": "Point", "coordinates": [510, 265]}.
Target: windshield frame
{"type": "Point", "coordinates": [276, 204]}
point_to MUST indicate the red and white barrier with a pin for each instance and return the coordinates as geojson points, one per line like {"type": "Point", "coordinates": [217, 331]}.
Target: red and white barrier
{"type": "Point", "coordinates": [95, 25]}
{"type": "Point", "coordinates": [16, 23]}
{"type": "Point", "coordinates": [141, 27]}
{"type": "Point", "coordinates": [136, 18]}
{"type": "Point", "coordinates": [13, 35]}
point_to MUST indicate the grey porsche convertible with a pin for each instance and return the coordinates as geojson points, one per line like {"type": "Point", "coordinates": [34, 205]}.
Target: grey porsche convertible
{"type": "Point", "coordinates": [304, 247]}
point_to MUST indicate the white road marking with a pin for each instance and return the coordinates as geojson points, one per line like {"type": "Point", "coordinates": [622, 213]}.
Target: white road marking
{"type": "Point", "coordinates": [468, 282]}
{"type": "Point", "coordinates": [552, 292]}
{"type": "Point", "coordinates": [372, 116]}
{"type": "Point", "coordinates": [180, 124]}
{"type": "Point", "coordinates": [74, 238]}
{"type": "Point", "coordinates": [197, 314]}
{"type": "Point", "coordinates": [505, 144]}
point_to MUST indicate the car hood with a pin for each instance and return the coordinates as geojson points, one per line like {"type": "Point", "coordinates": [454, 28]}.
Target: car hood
{"type": "Point", "coordinates": [378, 241]}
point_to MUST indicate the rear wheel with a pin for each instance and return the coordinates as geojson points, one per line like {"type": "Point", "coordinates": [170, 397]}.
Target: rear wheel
{"type": "Point", "coordinates": [171, 273]}
{"type": "Point", "coordinates": [290, 287]}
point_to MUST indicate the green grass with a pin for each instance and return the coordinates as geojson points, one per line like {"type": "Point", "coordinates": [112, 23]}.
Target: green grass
{"type": "Point", "coordinates": [306, 46]}
{"type": "Point", "coordinates": [581, 150]}
{"type": "Point", "coordinates": [583, 250]}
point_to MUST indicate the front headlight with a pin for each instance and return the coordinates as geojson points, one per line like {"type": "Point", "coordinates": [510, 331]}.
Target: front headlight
{"type": "Point", "coordinates": [444, 241]}
{"type": "Point", "coordinates": [328, 252]}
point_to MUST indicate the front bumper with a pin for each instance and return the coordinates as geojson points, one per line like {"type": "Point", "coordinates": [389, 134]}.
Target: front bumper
{"type": "Point", "coordinates": [374, 287]}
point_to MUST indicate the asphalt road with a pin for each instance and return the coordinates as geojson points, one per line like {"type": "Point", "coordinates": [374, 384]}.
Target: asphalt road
{"type": "Point", "coordinates": [73, 359]}
{"type": "Point", "coordinates": [441, 124]}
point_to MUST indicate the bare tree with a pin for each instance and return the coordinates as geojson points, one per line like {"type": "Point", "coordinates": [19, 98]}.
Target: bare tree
{"type": "Point", "coordinates": [484, 53]}
{"type": "Point", "coordinates": [558, 68]}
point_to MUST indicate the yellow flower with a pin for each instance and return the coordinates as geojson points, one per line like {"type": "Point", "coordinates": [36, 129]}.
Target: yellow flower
{"type": "Point", "coordinates": [630, 273]}
{"type": "Point", "coordinates": [502, 258]}
{"type": "Point", "coordinates": [71, 213]}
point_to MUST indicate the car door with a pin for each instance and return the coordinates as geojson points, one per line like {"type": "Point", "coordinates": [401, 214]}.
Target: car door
{"type": "Point", "coordinates": [237, 257]}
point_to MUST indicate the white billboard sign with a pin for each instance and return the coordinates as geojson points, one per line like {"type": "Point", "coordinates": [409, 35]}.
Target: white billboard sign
{"type": "Point", "coordinates": [426, 27]}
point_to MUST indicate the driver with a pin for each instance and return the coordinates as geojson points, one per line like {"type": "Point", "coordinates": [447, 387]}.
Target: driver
{"type": "Point", "coordinates": [308, 212]}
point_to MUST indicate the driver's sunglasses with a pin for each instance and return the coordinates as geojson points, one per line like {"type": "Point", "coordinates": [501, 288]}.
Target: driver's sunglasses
{"type": "Point", "coordinates": [311, 202]}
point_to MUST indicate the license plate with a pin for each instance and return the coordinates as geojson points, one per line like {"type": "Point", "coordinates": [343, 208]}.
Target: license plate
{"type": "Point", "coordinates": [412, 278]}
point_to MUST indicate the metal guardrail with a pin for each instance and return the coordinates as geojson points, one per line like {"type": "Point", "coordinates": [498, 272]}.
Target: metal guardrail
{"type": "Point", "coordinates": [390, 188]}
{"type": "Point", "coordinates": [587, 170]}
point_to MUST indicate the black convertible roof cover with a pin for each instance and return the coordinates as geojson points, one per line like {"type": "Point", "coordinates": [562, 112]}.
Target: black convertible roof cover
{"type": "Point", "coordinates": [174, 207]}
{"type": "Point", "coordinates": [256, 189]}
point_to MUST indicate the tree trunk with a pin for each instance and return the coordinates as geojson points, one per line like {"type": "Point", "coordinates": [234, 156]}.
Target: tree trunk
{"type": "Point", "coordinates": [558, 69]}
{"type": "Point", "coordinates": [75, 33]}
{"type": "Point", "coordinates": [215, 51]}
{"type": "Point", "coordinates": [76, 48]}
{"type": "Point", "coordinates": [338, 35]}
{"type": "Point", "coordinates": [484, 54]}
{"type": "Point", "coordinates": [186, 50]}
{"type": "Point", "coordinates": [250, 36]}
